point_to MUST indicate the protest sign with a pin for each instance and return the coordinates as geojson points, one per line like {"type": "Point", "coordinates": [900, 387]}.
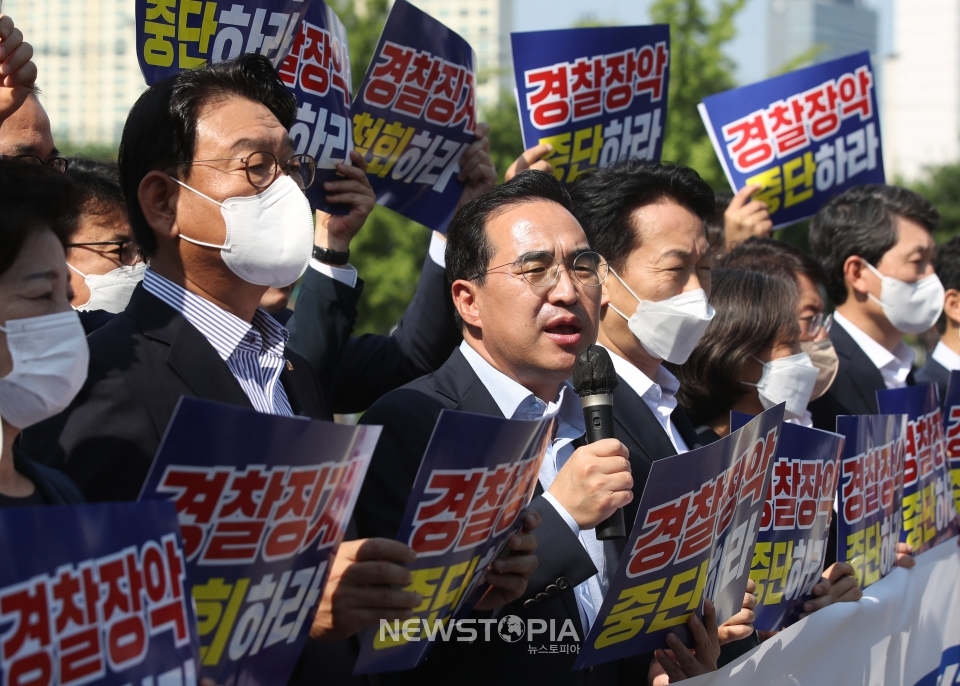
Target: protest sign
{"type": "Point", "coordinates": [317, 70]}
{"type": "Point", "coordinates": [263, 502]}
{"type": "Point", "coordinates": [792, 542]}
{"type": "Point", "coordinates": [951, 417]}
{"type": "Point", "coordinates": [802, 137]}
{"type": "Point", "coordinates": [693, 539]}
{"type": "Point", "coordinates": [870, 493]}
{"type": "Point", "coordinates": [929, 515]}
{"type": "Point", "coordinates": [903, 632]}
{"type": "Point", "coordinates": [476, 478]}
{"type": "Point", "coordinates": [95, 593]}
{"type": "Point", "coordinates": [597, 95]}
{"type": "Point", "coordinates": [173, 36]}
{"type": "Point", "coordinates": [415, 115]}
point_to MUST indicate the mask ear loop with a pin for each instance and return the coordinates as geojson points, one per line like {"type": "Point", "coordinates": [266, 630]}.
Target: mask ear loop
{"type": "Point", "coordinates": [629, 290]}
{"type": "Point", "coordinates": [762, 364]}
{"type": "Point", "coordinates": [206, 197]}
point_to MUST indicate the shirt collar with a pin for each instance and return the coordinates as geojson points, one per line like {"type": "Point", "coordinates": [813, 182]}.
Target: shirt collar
{"type": "Point", "coordinates": [516, 401]}
{"type": "Point", "coordinates": [666, 384]}
{"type": "Point", "coordinates": [949, 359]}
{"type": "Point", "coordinates": [224, 330]}
{"type": "Point", "coordinates": [901, 357]}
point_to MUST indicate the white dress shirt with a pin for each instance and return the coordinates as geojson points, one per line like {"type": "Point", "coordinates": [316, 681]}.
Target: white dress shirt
{"type": "Point", "coordinates": [516, 402]}
{"type": "Point", "coordinates": [660, 395]}
{"type": "Point", "coordinates": [348, 273]}
{"type": "Point", "coordinates": [949, 359]}
{"type": "Point", "coordinates": [894, 366]}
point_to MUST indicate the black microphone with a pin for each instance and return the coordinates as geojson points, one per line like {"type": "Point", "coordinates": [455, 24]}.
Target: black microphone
{"type": "Point", "coordinates": [594, 379]}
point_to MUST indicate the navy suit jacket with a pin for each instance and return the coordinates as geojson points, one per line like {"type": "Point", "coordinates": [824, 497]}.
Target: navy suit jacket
{"type": "Point", "coordinates": [854, 391]}
{"type": "Point", "coordinates": [355, 371]}
{"type": "Point", "coordinates": [408, 416]}
{"type": "Point", "coordinates": [934, 372]}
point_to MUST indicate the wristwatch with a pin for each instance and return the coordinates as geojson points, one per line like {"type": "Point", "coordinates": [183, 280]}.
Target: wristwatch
{"type": "Point", "coordinates": [332, 257]}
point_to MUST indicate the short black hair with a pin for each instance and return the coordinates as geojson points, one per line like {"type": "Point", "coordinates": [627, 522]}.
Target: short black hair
{"type": "Point", "coordinates": [604, 199]}
{"type": "Point", "coordinates": [769, 255]}
{"type": "Point", "coordinates": [946, 263]}
{"type": "Point", "coordinates": [98, 186]}
{"type": "Point", "coordinates": [161, 129]}
{"type": "Point", "coordinates": [862, 222]}
{"type": "Point", "coordinates": [754, 310]}
{"type": "Point", "coordinates": [468, 250]}
{"type": "Point", "coordinates": [33, 197]}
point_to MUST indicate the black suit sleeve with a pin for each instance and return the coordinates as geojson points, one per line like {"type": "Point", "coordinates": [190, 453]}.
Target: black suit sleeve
{"type": "Point", "coordinates": [563, 561]}
{"type": "Point", "coordinates": [321, 325]}
{"type": "Point", "coordinates": [104, 441]}
{"type": "Point", "coordinates": [369, 366]}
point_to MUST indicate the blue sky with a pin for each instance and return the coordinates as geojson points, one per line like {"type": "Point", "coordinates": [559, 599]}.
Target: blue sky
{"type": "Point", "coordinates": [748, 49]}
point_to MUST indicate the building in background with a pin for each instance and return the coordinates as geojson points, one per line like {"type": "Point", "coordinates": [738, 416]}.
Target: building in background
{"type": "Point", "coordinates": [87, 62]}
{"type": "Point", "coordinates": [833, 28]}
{"type": "Point", "coordinates": [920, 113]}
{"type": "Point", "coordinates": [486, 25]}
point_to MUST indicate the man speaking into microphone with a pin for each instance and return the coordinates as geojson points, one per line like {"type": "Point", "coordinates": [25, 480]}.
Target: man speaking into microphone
{"type": "Point", "coordinates": [526, 288]}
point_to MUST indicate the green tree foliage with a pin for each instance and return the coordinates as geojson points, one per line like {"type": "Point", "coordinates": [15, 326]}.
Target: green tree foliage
{"type": "Point", "coordinates": [698, 68]}
{"type": "Point", "coordinates": [941, 186]}
{"type": "Point", "coordinates": [506, 140]}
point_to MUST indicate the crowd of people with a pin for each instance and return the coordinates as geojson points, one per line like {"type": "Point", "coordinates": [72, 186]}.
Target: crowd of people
{"type": "Point", "coordinates": [126, 286]}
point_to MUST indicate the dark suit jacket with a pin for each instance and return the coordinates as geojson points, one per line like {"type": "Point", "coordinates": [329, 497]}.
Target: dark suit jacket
{"type": "Point", "coordinates": [141, 363]}
{"type": "Point", "coordinates": [355, 371]}
{"type": "Point", "coordinates": [408, 416]}
{"type": "Point", "coordinates": [934, 372]}
{"type": "Point", "coordinates": [854, 391]}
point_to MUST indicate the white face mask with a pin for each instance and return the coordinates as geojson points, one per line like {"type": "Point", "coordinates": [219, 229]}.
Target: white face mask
{"type": "Point", "coordinates": [670, 329]}
{"type": "Point", "coordinates": [50, 357]}
{"type": "Point", "coordinates": [910, 307]}
{"type": "Point", "coordinates": [787, 380]}
{"type": "Point", "coordinates": [111, 291]}
{"type": "Point", "coordinates": [269, 235]}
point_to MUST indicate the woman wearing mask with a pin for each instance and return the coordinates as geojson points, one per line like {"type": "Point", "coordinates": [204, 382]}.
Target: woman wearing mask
{"type": "Point", "coordinates": [43, 351]}
{"type": "Point", "coordinates": [749, 358]}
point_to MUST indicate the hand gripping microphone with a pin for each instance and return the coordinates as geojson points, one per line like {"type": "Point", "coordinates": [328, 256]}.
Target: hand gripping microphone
{"type": "Point", "coordinates": [594, 379]}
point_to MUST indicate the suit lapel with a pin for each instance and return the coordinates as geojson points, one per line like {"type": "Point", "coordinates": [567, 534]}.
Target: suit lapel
{"type": "Point", "coordinates": [190, 354]}
{"type": "Point", "coordinates": [457, 381]}
{"type": "Point", "coordinates": [864, 376]}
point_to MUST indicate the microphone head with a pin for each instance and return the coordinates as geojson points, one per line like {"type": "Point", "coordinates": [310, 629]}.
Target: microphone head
{"type": "Point", "coordinates": [593, 373]}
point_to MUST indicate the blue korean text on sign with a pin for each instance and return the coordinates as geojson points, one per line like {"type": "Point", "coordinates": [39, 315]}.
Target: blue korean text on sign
{"type": "Point", "coordinates": [870, 493]}
{"type": "Point", "coordinates": [801, 137]}
{"type": "Point", "coordinates": [415, 115]}
{"type": "Point", "coordinates": [792, 543]}
{"type": "Point", "coordinates": [929, 515]}
{"type": "Point", "coordinates": [596, 95]}
{"type": "Point", "coordinates": [693, 539]}
{"type": "Point", "coordinates": [263, 502]}
{"type": "Point", "coordinates": [173, 35]}
{"type": "Point", "coordinates": [95, 594]}
{"type": "Point", "coordinates": [473, 486]}
{"type": "Point", "coordinates": [317, 70]}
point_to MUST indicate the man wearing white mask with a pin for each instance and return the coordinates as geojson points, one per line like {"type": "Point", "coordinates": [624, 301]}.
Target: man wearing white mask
{"type": "Point", "coordinates": [876, 246]}
{"type": "Point", "coordinates": [647, 220]}
{"type": "Point", "coordinates": [104, 261]}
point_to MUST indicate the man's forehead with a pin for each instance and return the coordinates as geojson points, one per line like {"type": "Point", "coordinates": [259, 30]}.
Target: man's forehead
{"type": "Point", "coordinates": [235, 122]}
{"type": "Point", "coordinates": [537, 225]}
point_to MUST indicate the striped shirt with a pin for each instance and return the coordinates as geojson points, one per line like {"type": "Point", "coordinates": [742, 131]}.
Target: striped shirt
{"type": "Point", "coordinates": [253, 353]}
